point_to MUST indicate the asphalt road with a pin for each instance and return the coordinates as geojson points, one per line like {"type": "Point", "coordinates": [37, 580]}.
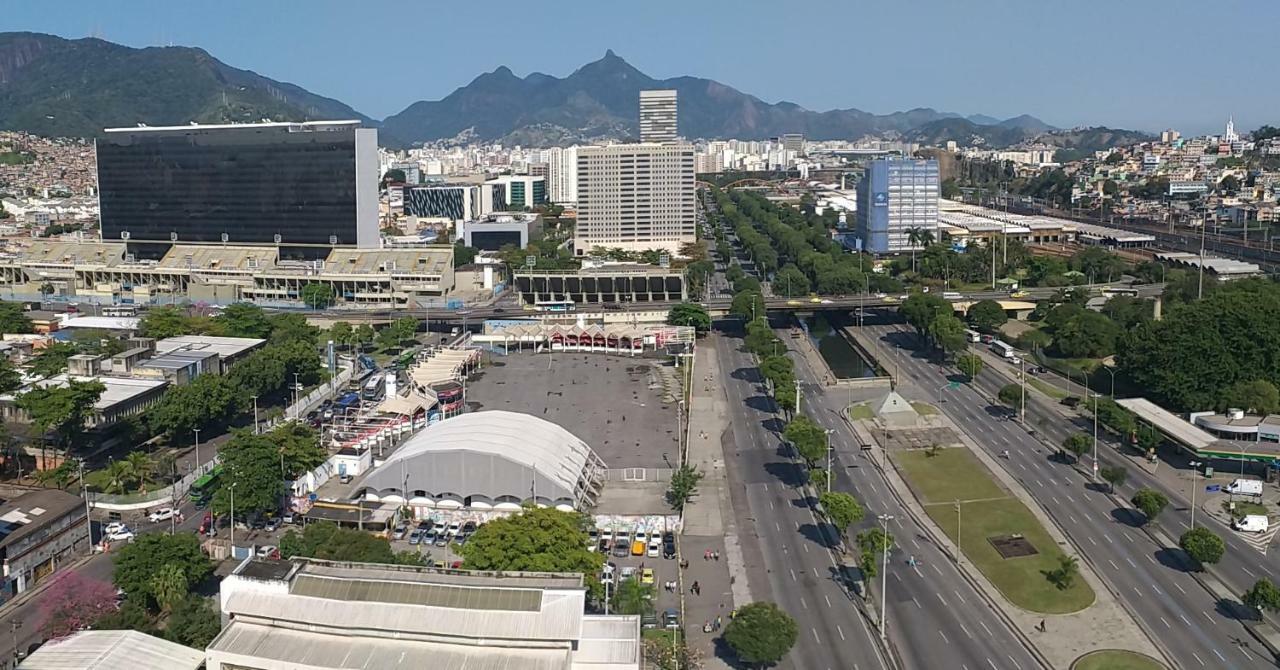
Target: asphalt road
{"type": "Point", "coordinates": [1192, 625]}
{"type": "Point", "coordinates": [794, 558]}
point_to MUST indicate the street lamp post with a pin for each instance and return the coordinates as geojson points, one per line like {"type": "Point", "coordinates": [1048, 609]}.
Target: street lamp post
{"type": "Point", "coordinates": [1111, 372]}
{"type": "Point", "coordinates": [958, 535]}
{"type": "Point", "coordinates": [1194, 484]}
{"type": "Point", "coordinates": [1022, 406]}
{"type": "Point", "coordinates": [830, 474]}
{"type": "Point", "coordinates": [1095, 437]}
{"type": "Point", "coordinates": [197, 432]}
{"type": "Point", "coordinates": [255, 415]}
{"type": "Point", "coordinates": [797, 397]}
{"type": "Point", "coordinates": [233, 518]}
{"type": "Point", "coordinates": [884, 577]}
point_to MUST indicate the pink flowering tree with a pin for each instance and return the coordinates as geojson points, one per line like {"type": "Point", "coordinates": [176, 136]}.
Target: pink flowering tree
{"type": "Point", "coordinates": [74, 602]}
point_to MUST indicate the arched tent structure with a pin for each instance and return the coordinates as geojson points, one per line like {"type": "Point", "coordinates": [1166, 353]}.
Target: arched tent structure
{"type": "Point", "coordinates": [489, 460]}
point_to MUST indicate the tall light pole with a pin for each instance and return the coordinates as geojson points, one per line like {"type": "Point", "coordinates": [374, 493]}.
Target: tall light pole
{"type": "Point", "coordinates": [1022, 406]}
{"type": "Point", "coordinates": [830, 474]}
{"type": "Point", "coordinates": [87, 521]}
{"type": "Point", "coordinates": [1194, 484]}
{"type": "Point", "coordinates": [797, 397]}
{"type": "Point", "coordinates": [884, 577]}
{"type": "Point", "coordinates": [1095, 437]}
{"type": "Point", "coordinates": [197, 432]}
{"type": "Point", "coordinates": [1111, 372]}
{"type": "Point", "coordinates": [255, 415]}
{"type": "Point", "coordinates": [958, 535]}
{"type": "Point", "coordinates": [233, 518]}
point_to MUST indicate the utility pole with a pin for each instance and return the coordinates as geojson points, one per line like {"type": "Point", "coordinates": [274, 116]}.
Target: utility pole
{"type": "Point", "coordinates": [884, 578]}
{"type": "Point", "coordinates": [197, 432]}
{"type": "Point", "coordinates": [1022, 406]}
{"type": "Point", "coordinates": [88, 523]}
{"type": "Point", "coordinates": [958, 534]}
{"type": "Point", "coordinates": [1194, 484]}
{"type": "Point", "coordinates": [1203, 225]}
{"type": "Point", "coordinates": [797, 397]}
{"type": "Point", "coordinates": [255, 415]}
{"type": "Point", "coordinates": [830, 474]}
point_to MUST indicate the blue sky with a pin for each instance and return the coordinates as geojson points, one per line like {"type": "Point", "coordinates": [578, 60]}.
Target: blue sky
{"type": "Point", "coordinates": [1143, 64]}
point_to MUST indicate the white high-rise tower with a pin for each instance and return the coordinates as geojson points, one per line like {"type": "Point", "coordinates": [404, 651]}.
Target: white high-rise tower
{"type": "Point", "coordinates": [1230, 135]}
{"type": "Point", "coordinates": [658, 116]}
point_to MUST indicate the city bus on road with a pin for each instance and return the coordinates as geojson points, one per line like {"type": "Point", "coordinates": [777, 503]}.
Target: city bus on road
{"type": "Point", "coordinates": [1113, 291]}
{"type": "Point", "coordinates": [973, 335]}
{"type": "Point", "coordinates": [202, 489]}
{"type": "Point", "coordinates": [1002, 349]}
{"type": "Point", "coordinates": [554, 306]}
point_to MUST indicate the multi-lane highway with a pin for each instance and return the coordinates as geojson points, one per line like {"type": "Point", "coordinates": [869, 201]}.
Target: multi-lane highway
{"type": "Point", "coordinates": [935, 619]}
{"type": "Point", "coordinates": [1178, 613]}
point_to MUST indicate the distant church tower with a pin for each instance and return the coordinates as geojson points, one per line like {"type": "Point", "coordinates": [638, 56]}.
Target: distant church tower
{"type": "Point", "coordinates": [1231, 135]}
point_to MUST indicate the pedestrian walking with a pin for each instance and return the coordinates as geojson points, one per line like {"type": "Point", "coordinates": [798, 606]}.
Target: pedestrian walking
{"type": "Point", "coordinates": [717, 622]}
{"type": "Point", "coordinates": [717, 555]}
{"type": "Point", "coordinates": [1042, 626]}
{"type": "Point", "coordinates": [706, 555]}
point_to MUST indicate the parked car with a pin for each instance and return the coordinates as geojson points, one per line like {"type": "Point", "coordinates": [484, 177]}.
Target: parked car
{"type": "Point", "coordinates": [454, 527]}
{"type": "Point", "coordinates": [398, 532]}
{"type": "Point", "coordinates": [647, 576]}
{"type": "Point", "coordinates": [622, 546]}
{"type": "Point", "coordinates": [344, 478]}
{"type": "Point", "coordinates": [114, 527]}
{"type": "Point", "coordinates": [655, 547]}
{"type": "Point", "coordinates": [415, 536]}
{"type": "Point", "coordinates": [670, 619]}
{"type": "Point", "coordinates": [648, 620]}
{"type": "Point", "coordinates": [429, 536]}
{"type": "Point", "coordinates": [638, 548]}
{"type": "Point", "coordinates": [469, 527]}
{"type": "Point", "coordinates": [668, 545]}
{"type": "Point", "coordinates": [442, 539]}
{"type": "Point", "coordinates": [122, 535]}
{"type": "Point", "coordinates": [162, 514]}
{"type": "Point", "coordinates": [603, 547]}
{"type": "Point", "coordinates": [271, 525]}
{"type": "Point", "coordinates": [268, 551]}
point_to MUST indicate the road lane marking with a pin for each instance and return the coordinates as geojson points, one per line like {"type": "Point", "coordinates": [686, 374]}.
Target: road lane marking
{"type": "Point", "coordinates": [1138, 591]}
{"type": "Point", "coordinates": [1179, 586]}
{"type": "Point", "coordinates": [828, 601]}
{"type": "Point", "coordinates": [1166, 625]}
{"type": "Point", "coordinates": [1073, 518]}
{"type": "Point", "coordinates": [1197, 658]}
{"type": "Point", "coordinates": [1131, 563]}
{"type": "Point", "coordinates": [958, 595]}
{"type": "Point", "coordinates": [1068, 497]}
{"type": "Point", "coordinates": [817, 574]}
{"type": "Point", "coordinates": [984, 627]}
{"type": "Point", "coordinates": [1246, 654]}
{"type": "Point", "coordinates": [804, 604]}
{"type": "Point", "coordinates": [1153, 561]}
{"type": "Point", "coordinates": [777, 527]}
{"type": "Point", "coordinates": [806, 547]}
{"type": "Point", "coordinates": [895, 576]}
{"type": "Point", "coordinates": [1055, 500]}
{"type": "Point", "coordinates": [770, 504]}
{"type": "Point", "coordinates": [840, 631]}
{"type": "Point", "coordinates": [1251, 574]}
{"type": "Point", "coordinates": [815, 635]}
{"type": "Point", "coordinates": [1113, 564]}
{"type": "Point", "coordinates": [939, 595]}
{"type": "Point", "coordinates": [1091, 541]}
{"type": "Point", "coordinates": [944, 638]}
{"type": "Point", "coordinates": [1211, 619]}
{"type": "Point", "coordinates": [1184, 619]}
{"type": "Point", "coordinates": [993, 664]}
{"type": "Point", "coordinates": [1015, 663]}
{"type": "Point", "coordinates": [917, 602]}
{"type": "Point", "coordinates": [793, 575]}
{"type": "Point", "coordinates": [1216, 653]}
{"type": "Point", "coordinates": [1108, 538]}
{"type": "Point", "coordinates": [966, 631]}
{"type": "Point", "coordinates": [1024, 467]}
{"type": "Point", "coordinates": [935, 569]}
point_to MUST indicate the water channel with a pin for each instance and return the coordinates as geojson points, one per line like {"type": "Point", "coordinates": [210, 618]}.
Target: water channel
{"type": "Point", "coordinates": [845, 361]}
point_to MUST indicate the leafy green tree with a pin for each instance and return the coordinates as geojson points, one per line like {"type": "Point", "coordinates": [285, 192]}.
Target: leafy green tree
{"type": "Point", "coordinates": [1202, 545]}
{"type": "Point", "coordinates": [299, 446]}
{"type": "Point", "coordinates": [684, 484]}
{"type": "Point", "coordinates": [289, 327]}
{"type": "Point", "coordinates": [130, 616]}
{"type": "Point", "coordinates": [393, 175]}
{"type": "Point", "coordinates": [52, 359]}
{"type": "Point", "coordinates": [538, 540]}
{"type": "Point", "coordinates": [316, 295]}
{"type": "Point", "coordinates": [341, 333]}
{"type": "Point", "coordinates": [118, 474]}
{"type": "Point", "coordinates": [62, 410]}
{"type": "Point", "coordinates": [364, 335]}
{"type": "Point", "coordinates": [920, 310]}
{"type": "Point", "coordinates": [761, 634]}
{"type": "Point", "coordinates": [10, 378]}
{"type": "Point", "coordinates": [947, 332]}
{"type": "Point", "coordinates": [841, 509]}
{"type": "Point", "coordinates": [970, 364]}
{"type": "Point", "coordinates": [208, 400]}
{"type": "Point", "coordinates": [1064, 575]}
{"type": "Point", "coordinates": [790, 282]}
{"type": "Point", "coordinates": [1150, 502]}
{"type": "Point", "coordinates": [760, 339]}
{"type": "Point", "coordinates": [1077, 444]}
{"type": "Point", "coordinates": [405, 328]}
{"type": "Point", "coordinates": [165, 321]}
{"type": "Point", "coordinates": [633, 597]}
{"type": "Point", "coordinates": [1258, 395]}
{"type": "Point", "coordinates": [747, 304]}
{"type": "Point", "coordinates": [138, 562]}
{"type": "Point", "coordinates": [873, 542]}
{"type": "Point", "coordinates": [261, 373]}
{"type": "Point", "coordinates": [252, 465]}
{"type": "Point", "coordinates": [463, 254]}
{"type": "Point", "coordinates": [1128, 312]}
{"type": "Point", "coordinates": [243, 319]}
{"type": "Point", "coordinates": [690, 314]}
{"type": "Point", "coordinates": [193, 621]}
{"type": "Point", "coordinates": [1011, 395]}
{"type": "Point", "coordinates": [169, 585]}
{"type": "Point", "coordinates": [987, 316]}
{"type": "Point", "coordinates": [1088, 334]}
{"type": "Point", "coordinates": [809, 438]}
{"type": "Point", "coordinates": [1262, 596]}
{"type": "Point", "coordinates": [328, 541]}
{"type": "Point", "coordinates": [1115, 475]}
{"type": "Point", "coordinates": [13, 320]}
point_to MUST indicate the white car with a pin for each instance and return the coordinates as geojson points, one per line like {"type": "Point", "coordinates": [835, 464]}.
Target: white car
{"type": "Point", "coordinates": [454, 527]}
{"type": "Point", "coordinates": [162, 514]}
{"type": "Point", "coordinates": [655, 547]}
{"type": "Point", "coordinates": [641, 536]}
{"type": "Point", "coordinates": [123, 535]}
{"type": "Point", "coordinates": [114, 527]}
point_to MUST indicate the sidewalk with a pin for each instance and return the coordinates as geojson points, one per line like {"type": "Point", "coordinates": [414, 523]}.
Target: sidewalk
{"type": "Point", "coordinates": [708, 518]}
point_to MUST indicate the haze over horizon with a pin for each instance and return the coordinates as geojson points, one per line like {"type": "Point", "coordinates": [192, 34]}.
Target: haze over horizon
{"type": "Point", "coordinates": [1087, 63]}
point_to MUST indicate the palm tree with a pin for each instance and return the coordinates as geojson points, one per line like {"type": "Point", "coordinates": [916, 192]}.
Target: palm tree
{"type": "Point", "coordinates": [633, 597]}
{"type": "Point", "coordinates": [918, 237]}
{"type": "Point", "coordinates": [169, 585]}
{"type": "Point", "coordinates": [142, 467]}
{"type": "Point", "coordinates": [119, 474]}
{"type": "Point", "coordinates": [165, 465]}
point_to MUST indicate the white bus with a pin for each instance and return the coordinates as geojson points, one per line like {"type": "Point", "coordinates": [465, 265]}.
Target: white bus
{"type": "Point", "coordinates": [1113, 291]}
{"type": "Point", "coordinates": [1003, 349]}
{"type": "Point", "coordinates": [973, 335]}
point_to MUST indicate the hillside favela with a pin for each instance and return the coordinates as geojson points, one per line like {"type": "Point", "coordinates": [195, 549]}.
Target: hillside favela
{"type": "Point", "coordinates": [639, 336]}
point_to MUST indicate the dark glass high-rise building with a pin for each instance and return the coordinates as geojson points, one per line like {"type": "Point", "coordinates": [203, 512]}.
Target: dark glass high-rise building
{"type": "Point", "coordinates": [312, 183]}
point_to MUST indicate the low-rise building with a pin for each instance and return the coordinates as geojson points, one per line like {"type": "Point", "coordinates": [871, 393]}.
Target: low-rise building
{"type": "Point", "coordinates": [39, 531]}
{"type": "Point", "coordinates": [112, 650]}
{"type": "Point", "coordinates": [499, 229]}
{"type": "Point", "coordinates": [308, 613]}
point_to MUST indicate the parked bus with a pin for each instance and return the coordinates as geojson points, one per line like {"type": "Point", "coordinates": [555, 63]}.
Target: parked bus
{"type": "Point", "coordinates": [203, 488]}
{"type": "Point", "coordinates": [1003, 349]}
{"type": "Point", "coordinates": [374, 388]}
{"type": "Point", "coordinates": [120, 310]}
{"type": "Point", "coordinates": [554, 306]}
{"type": "Point", "coordinates": [973, 335]}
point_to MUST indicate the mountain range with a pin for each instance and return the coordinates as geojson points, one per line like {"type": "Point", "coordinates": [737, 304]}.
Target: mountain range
{"type": "Point", "coordinates": [59, 87]}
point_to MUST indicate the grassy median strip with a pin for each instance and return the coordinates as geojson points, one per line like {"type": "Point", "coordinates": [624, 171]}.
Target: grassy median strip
{"type": "Point", "coordinates": [986, 511]}
{"type": "Point", "coordinates": [1116, 659]}
{"type": "Point", "coordinates": [1047, 388]}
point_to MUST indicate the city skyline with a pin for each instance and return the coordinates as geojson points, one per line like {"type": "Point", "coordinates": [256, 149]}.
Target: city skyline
{"type": "Point", "coordinates": [1084, 55]}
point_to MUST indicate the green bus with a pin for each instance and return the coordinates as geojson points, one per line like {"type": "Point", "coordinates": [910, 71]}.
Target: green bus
{"type": "Point", "coordinates": [203, 488]}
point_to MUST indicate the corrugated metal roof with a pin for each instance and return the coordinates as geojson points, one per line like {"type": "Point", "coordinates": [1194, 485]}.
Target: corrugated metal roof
{"type": "Point", "coordinates": [303, 649]}
{"type": "Point", "coordinates": [436, 595]}
{"type": "Point", "coordinates": [113, 650]}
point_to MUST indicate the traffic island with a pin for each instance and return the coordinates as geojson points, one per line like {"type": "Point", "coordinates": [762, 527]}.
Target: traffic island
{"type": "Point", "coordinates": [995, 531]}
{"type": "Point", "coordinates": [1116, 659]}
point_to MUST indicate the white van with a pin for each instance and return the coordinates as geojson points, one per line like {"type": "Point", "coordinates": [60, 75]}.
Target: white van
{"type": "Point", "coordinates": [1245, 487]}
{"type": "Point", "coordinates": [1252, 523]}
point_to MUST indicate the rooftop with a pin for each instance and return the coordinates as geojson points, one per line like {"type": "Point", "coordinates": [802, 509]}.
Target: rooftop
{"type": "Point", "coordinates": [282, 125]}
{"type": "Point", "coordinates": [22, 515]}
{"type": "Point", "coordinates": [112, 650]}
{"type": "Point", "coordinates": [226, 347]}
{"type": "Point", "coordinates": [420, 260]}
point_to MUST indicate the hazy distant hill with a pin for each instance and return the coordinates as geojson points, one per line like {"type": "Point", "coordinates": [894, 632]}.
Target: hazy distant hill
{"type": "Point", "coordinates": [600, 99]}
{"type": "Point", "coordinates": [54, 86]}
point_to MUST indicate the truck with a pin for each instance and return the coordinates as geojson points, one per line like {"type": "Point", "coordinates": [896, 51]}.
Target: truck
{"type": "Point", "coordinates": [1245, 487]}
{"type": "Point", "coordinates": [1252, 523]}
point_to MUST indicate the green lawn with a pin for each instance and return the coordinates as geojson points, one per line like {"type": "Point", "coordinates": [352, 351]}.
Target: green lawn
{"type": "Point", "coordinates": [924, 408]}
{"type": "Point", "coordinates": [1116, 659]}
{"type": "Point", "coordinates": [1244, 508]}
{"type": "Point", "coordinates": [1047, 388]}
{"type": "Point", "coordinates": [955, 474]}
{"type": "Point", "coordinates": [861, 412]}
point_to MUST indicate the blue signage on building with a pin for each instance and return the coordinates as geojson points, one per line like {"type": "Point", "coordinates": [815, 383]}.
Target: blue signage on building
{"type": "Point", "coordinates": [880, 199]}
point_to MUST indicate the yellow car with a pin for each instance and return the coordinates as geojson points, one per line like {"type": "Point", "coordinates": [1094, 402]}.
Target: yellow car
{"type": "Point", "coordinates": [815, 299]}
{"type": "Point", "coordinates": [793, 303]}
{"type": "Point", "coordinates": [889, 298]}
{"type": "Point", "coordinates": [528, 308]}
{"type": "Point", "coordinates": [646, 576]}
{"type": "Point", "coordinates": [1019, 294]}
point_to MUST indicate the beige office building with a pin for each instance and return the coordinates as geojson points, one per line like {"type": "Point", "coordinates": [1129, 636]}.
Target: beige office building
{"type": "Point", "coordinates": [635, 197]}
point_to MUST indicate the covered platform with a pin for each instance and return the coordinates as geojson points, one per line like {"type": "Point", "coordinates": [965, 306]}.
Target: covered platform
{"type": "Point", "coordinates": [1197, 441]}
{"type": "Point", "coordinates": [609, 338]}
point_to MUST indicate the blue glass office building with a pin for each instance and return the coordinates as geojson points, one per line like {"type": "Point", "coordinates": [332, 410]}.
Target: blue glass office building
{"type": "Point", "coordinates": [894, 197]}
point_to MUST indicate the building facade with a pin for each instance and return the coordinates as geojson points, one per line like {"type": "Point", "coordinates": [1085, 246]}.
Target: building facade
{"type": "Point", "coordinates": [895, 197]}
{"type": "Point", "coordinates": [635, 197]}
{"type": "Point", "coordinates": [518, 191]}
{"type": "Point", "coordinates": [497, 230]}
{"type": "Point", "coordinates": [456, 202]}
{"type": "Point", "coordinates": [658, 116]}
{"type": "Point", "coordinates": [39, 531]}
{"type": "Point", "coordinates": [562, 174]}
{"type": "Point", "coordinates": [305, 184]}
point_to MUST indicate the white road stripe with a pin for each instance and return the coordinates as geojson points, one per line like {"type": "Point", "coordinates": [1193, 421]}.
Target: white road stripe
{"type": "Point", "coordinates": [1166, 625]}
{"type": "Point", "coordinates": [917, 602]}
{"type": "Point", "coordinates": [1015, 663]}
{"type": "Point", "coordinates": [1211, 619]}
{"type": "Point", "coordinates": [939, 595]}
{"type": "Point", "coordinates": [804, 604]}
{"type": "Point", "coordinates": [966, 631]}
{"type": "Point", "coordinates": [944, 637]}
{"type": "Point", "coordinates": [840, 631]}
{"type": "Point", "coordinates": [984, 627]}
{"type": "Point", "coordinates": [1197, 658]}
{"type": "Point", "coordinates": [958, 595]}
{"type": "Point", "coordinates": [1216, 653]}
{"type": "Point", "coordinates": [815, 635]}
{"type": "Point", "coordinates": [828, 600]}
{"type": "Point", "coordinates": [1184, 619]}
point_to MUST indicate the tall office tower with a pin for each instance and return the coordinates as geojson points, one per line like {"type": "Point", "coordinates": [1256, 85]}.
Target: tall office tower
{"type": "Point", "coordinates": [793, 142]}
{"type": "Point", "coordinates": [896, 196]}
{"type": "Point", "coordinates": [304, 184]}
{"type": "Point", "coordinates": [457, 202]}
{"type": "Point", "coordinates": [636, 197]}
{"type": "Point", "coordinates": [658, 116]}
{"type": "Point", "coordinates": [562, 174]}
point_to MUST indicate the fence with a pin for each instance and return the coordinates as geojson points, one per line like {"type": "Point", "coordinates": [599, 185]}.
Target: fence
{"type": "Point", "coordinates": [317, 394]}
{"type": "Point", "coordinates": [134, 501]}
{"type": "Point", "coordinates": [637, 474]}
